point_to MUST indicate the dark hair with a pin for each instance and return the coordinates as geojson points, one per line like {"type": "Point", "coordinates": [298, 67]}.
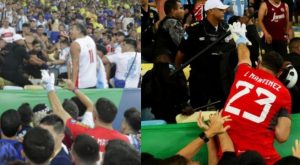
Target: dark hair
{"type": "Point", "coordinates": [149, 159]}
{"type": "Point", "coordinates": [251, 158]}
{"type": "Point", "coordinates": [131, 42]}
{"type": "Point", "coordinates": [101, 48]}
{"type": "Point", "coordinates": [133, 118]}
{"type": "Point", "coordinates": [289, 160]}
{"type": "Point", "coordinates": [35, 42]}
{"type": "Point", "coordinates": [26, 25]}
{"type": "Point", "coordinates": [117, 151]}
{"type": "Point", "coordinates": [86, 149]}
{"type": "Point", "coordinates": [81, 27]}
{"type": "Point", "coordinates": [40, 107]}
{"type": "Point", "coordinates": [106, 110]}
{"type": "Point", "coordinates": [273, 61]}
{"type": "Point", "coordinates": [66, 42]}
{"type": "Point", "coordinates": [55, 121]}
{"type": "Point", "coordinates": [175, 160]}
{"type": "Point", "coordinates": [71, 108]}
{"type": "Point", "coordinates": [81, 107]}
{"type": "Point", "coordinates": [233, 19]}
{"type": "Point", "coordinates": [38, 145]}
{"type": "Point", "coordinates": [26, 113]}
{"type": "Point", "coordinates": [169, 5]}
{"type": "Point", "coordinates": [10, 122]}
{"type": "Point", "coordinates": [294, 43]}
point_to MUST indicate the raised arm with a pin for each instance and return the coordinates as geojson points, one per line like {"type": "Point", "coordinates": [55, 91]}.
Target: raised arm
{"type": "Point", "coordinates": [82, 97]}
{"type": "Point", "coordinates": [48, 81]}
{"type": "Point", "coordinates": [238, 32]}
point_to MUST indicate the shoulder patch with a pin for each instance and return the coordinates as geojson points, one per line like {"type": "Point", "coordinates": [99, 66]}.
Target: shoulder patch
{"type": "Point", "coordinates": [185, 35]}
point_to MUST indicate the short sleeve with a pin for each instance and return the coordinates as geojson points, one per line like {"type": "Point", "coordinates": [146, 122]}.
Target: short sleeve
{"type": "Point", "coordinates": [88, 119]}
{"type": "Point", "coordinates": [76, 128]}
{"type": "Point", "coordinates": [112, 58]}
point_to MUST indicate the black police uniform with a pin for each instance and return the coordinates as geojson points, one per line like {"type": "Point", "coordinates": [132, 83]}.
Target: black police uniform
{"type": "Point", "coordinates": [13, 66]}
{"type": "Point", "coordinates": [209, 75]}
{"type": "Point", "coordinates": [149, 19]}
{"type": "Point", "coordinates": [168, 37]}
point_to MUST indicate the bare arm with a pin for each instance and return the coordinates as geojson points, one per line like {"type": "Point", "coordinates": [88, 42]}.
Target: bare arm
{"type": "Point", "coordinates": [179, 59]}
{"type": "Point", "coordinates": [226, 142]}
{"type": "Point", "coordinates": [57, 107]}
{"type": "Point", "coordinates": [107, 66]}
{"type": "Point", "coordinates": [282, 129]}
{"type": "Point", "coordinates": [190, 150]}
{"type": "Point", "coordinates": [34, 60]}
{"type": "Point", "coordinates": [58, 62]}
{"type": "Point", "coordinates": [82, 97]}
{"type": "Point", "coordinates": [243, 54]}
{"type": "Point", "coordinates": [287, 18]}
{"type": "Point", "coordinates": [261, 14]}
{"type": "Point", "coordinates": [212, 153]}
{"type": "Point", "coordinates": [75, 52]}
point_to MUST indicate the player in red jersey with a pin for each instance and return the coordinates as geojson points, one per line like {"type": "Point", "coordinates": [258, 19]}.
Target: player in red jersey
{"type": "Point", "coordinates": [259, 104]}
{"type": "Point", "coordinates": [103, 115]}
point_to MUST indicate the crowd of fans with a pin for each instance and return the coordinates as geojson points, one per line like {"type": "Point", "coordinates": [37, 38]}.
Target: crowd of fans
{"type": "Point", "coordinates": [76, 131]}
{"type": "Point", "coordinates": [38, 35]}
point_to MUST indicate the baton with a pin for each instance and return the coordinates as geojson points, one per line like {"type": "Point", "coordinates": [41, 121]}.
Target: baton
{"type": "Point", "coordinates": [207, 105]}
{"type": "Point", "coordinates": [201, 52]}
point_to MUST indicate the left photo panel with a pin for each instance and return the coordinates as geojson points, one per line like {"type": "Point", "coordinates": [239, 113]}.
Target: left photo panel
{"type": "Point", "coordinates": [70, 75]}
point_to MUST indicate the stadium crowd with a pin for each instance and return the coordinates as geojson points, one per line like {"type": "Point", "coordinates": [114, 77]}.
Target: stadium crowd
{"type": "Point", "coordinates": [70, 38]}
{"type": "Point", "coordinates": [242, 55]}
{"type": "Point", "coordinates": [79, 45]}
{"type": "Point", "coordinates": [76, 131]}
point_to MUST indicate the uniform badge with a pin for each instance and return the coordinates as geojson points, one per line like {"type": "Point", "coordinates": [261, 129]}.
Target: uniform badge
{"type": "Point", "coordinates": [282, 10]}
{"type": "Point", "coordinates": [185, 36]}
{"type": "Point", "coordinates": [201, 38]}
{"type": "Point", "coordinates": [151, 15]}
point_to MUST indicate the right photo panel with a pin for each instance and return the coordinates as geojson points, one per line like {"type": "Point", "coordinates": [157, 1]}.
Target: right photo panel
{"type": "Point", "coordinates": [220, 82]}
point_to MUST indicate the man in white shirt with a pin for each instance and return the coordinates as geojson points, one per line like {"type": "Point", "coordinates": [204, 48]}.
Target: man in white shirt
{"type": "Point", "coordinates": [7, 32]}
{"type": "Point", "coordinates": [84, 61]}
{"type": "Point", "coordinates": [128, 64]}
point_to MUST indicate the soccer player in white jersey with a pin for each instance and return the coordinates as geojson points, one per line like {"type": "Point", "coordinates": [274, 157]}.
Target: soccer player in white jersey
{"type": "Point", "coordinates": [84, 62]}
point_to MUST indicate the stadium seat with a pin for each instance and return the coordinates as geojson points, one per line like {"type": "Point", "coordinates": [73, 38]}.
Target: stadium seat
{"type": "Point", "coordinates": [8, 87]}
{"type": "Point", "coordinates": [148, 66]}
{"type": "Point", "coordinates": [153, 122]}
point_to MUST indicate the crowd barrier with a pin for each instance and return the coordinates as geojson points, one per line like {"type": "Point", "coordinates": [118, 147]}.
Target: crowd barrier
{"type": "Point", "coordinates": [123, 99]}
{"type": "Point", "coordinates": [166, 140]}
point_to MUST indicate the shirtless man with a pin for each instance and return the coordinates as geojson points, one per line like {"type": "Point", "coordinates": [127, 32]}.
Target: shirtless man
{"type": "Point", "coordinates": [29, 37]}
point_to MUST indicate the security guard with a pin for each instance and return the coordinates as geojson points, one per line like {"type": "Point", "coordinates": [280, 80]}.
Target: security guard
{"type": "Point", "coordinates": [208, 76]}
{"type": "Point", "coordinates": [170, 32]}
{"type": "Point", "coordinates": [149, 20]}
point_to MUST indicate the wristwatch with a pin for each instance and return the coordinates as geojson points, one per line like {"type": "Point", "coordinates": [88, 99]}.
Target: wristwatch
{"type": "Point", "coordinates": [203, 136]}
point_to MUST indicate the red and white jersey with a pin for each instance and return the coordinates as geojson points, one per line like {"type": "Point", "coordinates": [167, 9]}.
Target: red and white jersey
{"type": "Point", "coordinates": [7, 34]}
{"type": "Point", "coordinates": [276, 17]}
{"type": "Point", "coordinates": [254, 103]}
{"type": "Point", "coordinates": [87, 76]}
{"type": "Point", "coordinates": [100, 134]}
